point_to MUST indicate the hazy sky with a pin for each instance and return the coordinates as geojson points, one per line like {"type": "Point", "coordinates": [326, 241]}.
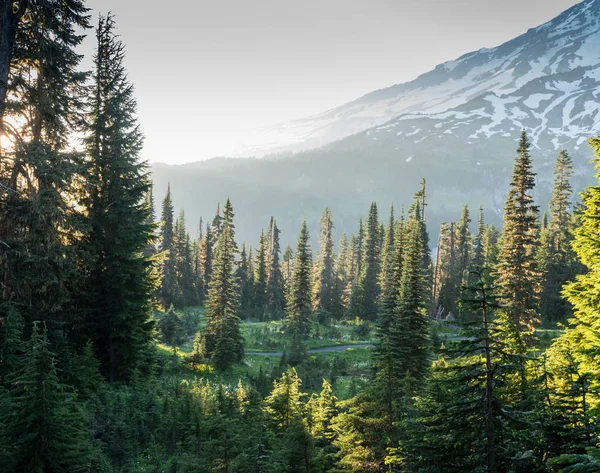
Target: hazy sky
{"type": "Point", "coordinates": [207, 73]}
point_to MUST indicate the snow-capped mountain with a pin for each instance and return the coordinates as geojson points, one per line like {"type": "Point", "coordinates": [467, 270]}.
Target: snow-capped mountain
{"type": "Point", "coordinates": [545, 80]}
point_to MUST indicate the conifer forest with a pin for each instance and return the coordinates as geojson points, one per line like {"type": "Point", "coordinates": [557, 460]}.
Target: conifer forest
{"type": "Point", "coordinates": [133, 339]}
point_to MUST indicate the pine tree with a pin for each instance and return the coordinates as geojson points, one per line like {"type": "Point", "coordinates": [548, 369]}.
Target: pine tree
{"type": "Point", "coordinates": [464, 250]}
{"type": "Point", "coordinates": [409, 332]}
{"type": "Point", "coordinates": [217, 223]}
{"type": "Point", "coordinates": [47, 427]}
{"type": "Point", "coordinates": [166, 248]}
{"type": "Point", "coordinates": [118, 293]}
{"type": "Point", "coordinates": [275, 296]}
{"type": "Point", "coordinates": [421, 199]}
{"type": "Point", "coordinates": [243, 278]}
{"type": "Point", "coordinates": [342, 271]}
{"type": "Point", "coordinates": [284, 403]}
{"type": "Point", "coordinates": [206, 257]}
{"type": "Point", "coordinates": [581, 337]}
{"type": "Point", "coordinates": [446, 287]}
{"type": "Point", "coordinates": [491, 245]}
{"type": "Point", "coordinates": [170, 327]}
{"type": "Point", "coordinates": [299, 308]}
{"type": "Point", "coordinates": [325, 277]}
{"type": "Point", "coordinates": [323, 410]}
{"type": "Point", "coordinates": [356, 290]}
{"type": "Point", "coordinates": [197, 356]}
{"type": "Point", "coordinates": [460, 425]}
{"type": "Point", "coordinates": [388, 282]}
{"type": "Point", "coordinates": [223, 342]}
{"type": "Point", "coordinates": [40, 174]}
{"type": "Point", "coordinates": [478, 252]}
{"type": "Point", "coordinates": [518, 275]}
{"type": "Point", "coordinates": [150, 250]}
{"type": "Point", "coordinates": [371, 265]}
{"type": "Point", "coordinates": [556, 258]}
{"type": "Point", "coordinates": [260, 278]}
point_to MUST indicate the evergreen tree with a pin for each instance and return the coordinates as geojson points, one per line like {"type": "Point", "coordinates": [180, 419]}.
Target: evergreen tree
{"type": "Point", "coordinates": [275, 297]}
{"type": "Point", "coordinates": [40, 174]}
{"type": "Point", "coordinates": [464, 250]}
{"type": "Point", "coordinates": [299, 309]}
{"type": "Point", "coordinates": [556, 258]}
{"type": "Point", "coordinates": [166, 247]}
{"type": "Point", "coordinates": [342, 271]}
{"type": "Point", "coordinates": [217, 223]}
{"type": "Point", "coordinates": [206, 257]}
{"type": "Point", "coordinates": [356, 290]}
{"type": "Point", "coordinates": [580, 341]}
{"type": "Point", "coordinates": [284, 403]}
{"type": "Point", "coordinates": [243, 277]}
{"type": "Point", "coordinates": [325, 277]}
{"type": "Point", "coordinates": [479, 249]}
{"type": "Point", "coordinates": [371, 265]}
{"type": "Point", "coordinates": [388, 283]}
{"type": "Point", "coordinates": [260, 278]}
{"type": "Point", "coordinates": [409, 332]}
{"type": "Point", "coordinates": [150, 250]}
{"type": "Point", "coordinates": [460, 416]}
{"type": "Point", "coordinates": [184, 268]}
{"type": "Point", "coordinates": [518, 274]}
{"type": "Point", "coordinates": [47, 427]}
{"type": "Point", "coordinates": [197, 357]}
{"type": "Point", "coordinates": [445, 284]}
{"type": "Point", "coordinates": [118, 293]}
{"type": "Point", "coordinates": [170, 327]}
{"type": "Point", "coordinates": [491, 245]}
{"type": "Point", "coordinates": [223, 342]}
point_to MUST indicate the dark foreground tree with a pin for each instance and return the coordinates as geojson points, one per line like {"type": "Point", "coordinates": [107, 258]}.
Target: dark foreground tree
{"type": "Point", "coordinates": [118, 293]}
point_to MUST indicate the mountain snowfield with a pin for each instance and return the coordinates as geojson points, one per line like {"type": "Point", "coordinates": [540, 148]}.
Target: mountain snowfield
{"type": "Point", "coordinates": [546, 81]}
{"type": "Point", "coordinates": [456, 126]}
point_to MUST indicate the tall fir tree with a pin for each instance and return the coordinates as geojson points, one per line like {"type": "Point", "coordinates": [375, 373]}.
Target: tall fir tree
{"type": "Point", "coordinates": [206, 256]}
{"type": "Point", "coordinates": [275, 297]}
{"type": "Point", "coordinates": [462, 421]}
{"type": "Point", "coordinates": [223, 341]}
{"type": "Point", "coordinates": [409, 333]}
{"type": "Point", "coordinates": [371, 265]}
{"type": "Point", "coordinates": [260, 278]}
{"type": "Point", "coordinates": [464, 254]}
{"type": "Point", "coordinates": [325, 296]}
{"type": "Point", "coordinates": [356, 293]}
{"type": "Point", "coordinates": [243, 278]}
{"type": "Point", "coordinates": [518, 274]}
{"type": "Point", "coordinates": [41, 104]}
{"type": "Point", "coordinates": [581, 340]}
{"type": "Point", "coordinates": [478, 247]}
{"type": "Point", "coordinates": [342, 272]}
{"type": "Point", "coordinates": [118, 290]}
{"type": "Point", "coordinates": [300, 304]}
{"type": "Point", "coordinates": [166, 247]}
{"type": "Point", "coordinates": [557, 259]}
{"type": "Point", "coordinates": [389, 284]}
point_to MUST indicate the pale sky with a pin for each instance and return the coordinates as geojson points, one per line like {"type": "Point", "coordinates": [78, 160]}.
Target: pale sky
{"type": "Point", "coordinates": [208, 73]}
